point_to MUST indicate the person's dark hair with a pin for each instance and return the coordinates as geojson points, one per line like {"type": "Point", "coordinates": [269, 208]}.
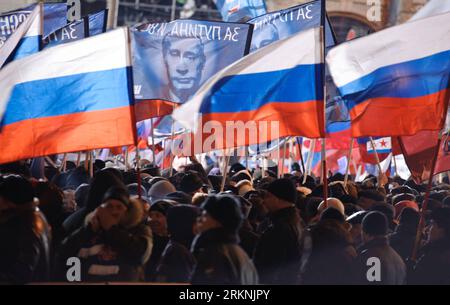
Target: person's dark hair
{"type": "Point", "coordinates": [50, 199]}
{"type": "Point", "coordinates": [17, 189]}
{"type": "Point", "coordinates": [101, 182]}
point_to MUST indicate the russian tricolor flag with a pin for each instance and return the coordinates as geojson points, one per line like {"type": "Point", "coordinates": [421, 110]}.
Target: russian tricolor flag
{"type": "Point", "coordinates": [279, 83]}
{"type": "Point", "coordinates": [396, 81]}
{"type": "Point", "coordinates": [26, 40]}
{"type": "Point", "coordinates": [72, 97]}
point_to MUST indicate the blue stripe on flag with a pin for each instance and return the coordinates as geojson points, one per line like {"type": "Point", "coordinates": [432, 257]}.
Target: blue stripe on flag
{"type": "Point", "coordinates": [75, 93]}
{"type": "Point", "coordinates": [410, 79]}
{"type": "Point", "coordinates": [247, 92]}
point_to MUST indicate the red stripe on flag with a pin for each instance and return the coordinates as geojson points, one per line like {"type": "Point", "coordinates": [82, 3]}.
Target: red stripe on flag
{"type": "Point", "coordinates": [390, 116]}
{"type": "Point", "coordinates": [67, 133]}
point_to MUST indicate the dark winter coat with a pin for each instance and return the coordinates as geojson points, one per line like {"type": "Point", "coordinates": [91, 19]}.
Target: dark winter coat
{"type": "Point", "coordinates": [221, 261]}
{"type": "Point", "coordinates": [278, 253]}
{"type": "Point", "coordinates": [25, 240]}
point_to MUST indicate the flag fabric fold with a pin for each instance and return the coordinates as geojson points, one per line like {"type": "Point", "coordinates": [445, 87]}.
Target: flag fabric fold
{"type": "Point", "coordinates": [396, 81]}
{"type": "Point", "coordinates": [82, 99]}
{"type": "Point", "coordinates": [261, 87]}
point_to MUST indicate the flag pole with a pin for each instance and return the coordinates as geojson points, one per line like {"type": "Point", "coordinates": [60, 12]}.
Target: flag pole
{"type": "Point", "coordinates": [174, 6]}
{"type": "Point", "coordinates": [395, 164]}
{"type": "Point", "coordinates": [79, 158]}
{"type": "Point", "coordinates": [172, 144]}
{"type": "Point", "coordinates": [349, 159]}
{"type": "Point", "coordinates": [86, 161]}
{"type": "Point", "coordinates": [290, 156]}
{"type": "Point", "coordinates": [138, 171]}
{"type": "Point", "coordinates": [376, 156]}
{"type": "Point", "coordinates": [226, 159]}
{"type": "Point", "coordinates": [323, 12]}
{"type": "Point", "coordinates": [425, 201]}
{"type": "Point", "coordinates": [301, 157]}
{"type": "Point", "coordinates": [62, 167]}
{"type": "Point", "coordinates": [283, 159]}
{"type": "Point", "coordinates": [278, 160]}
{"type": "Point", "coordinates": [153, 142]}
{"type": "Point", "coordinates": [91, 163]}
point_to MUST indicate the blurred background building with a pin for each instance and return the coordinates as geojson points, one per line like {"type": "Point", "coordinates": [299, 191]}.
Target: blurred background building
{"type": "Point", "coordinates": [348, 17]}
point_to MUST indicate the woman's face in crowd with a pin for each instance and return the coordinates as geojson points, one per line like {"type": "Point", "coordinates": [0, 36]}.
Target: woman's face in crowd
{"type": "Point", "coordinates": [158, 223]}
{"type": "Point", "coordinates": [205, 222]}
{"type": "Point", "coordinates": [115, 208]}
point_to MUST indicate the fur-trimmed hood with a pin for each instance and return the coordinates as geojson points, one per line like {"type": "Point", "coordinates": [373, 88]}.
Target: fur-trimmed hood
{"type": "Point", "coordinates": [133, 217]}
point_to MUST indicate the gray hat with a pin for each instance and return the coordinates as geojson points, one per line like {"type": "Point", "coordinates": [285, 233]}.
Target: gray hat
{"type": "Point", "coordinates": [160, 189]}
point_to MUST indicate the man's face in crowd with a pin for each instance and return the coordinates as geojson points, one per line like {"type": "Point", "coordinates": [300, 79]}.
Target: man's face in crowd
{"type": "Point", "coordinates": [260, 41]}
{"type": "Point", "coordinates": [185, 60]}
{"type": "Point", "coordinates": [158, 223]}
{"type": "Point", "coordinates": [435, 232]}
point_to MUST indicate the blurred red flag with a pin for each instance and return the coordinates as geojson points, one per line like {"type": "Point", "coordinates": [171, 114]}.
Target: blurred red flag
{"type": "Point", "coordinates": [419, 151]}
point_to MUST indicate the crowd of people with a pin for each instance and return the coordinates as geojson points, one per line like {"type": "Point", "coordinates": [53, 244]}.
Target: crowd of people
{"type": "Point", "coordinates": [184, 226]}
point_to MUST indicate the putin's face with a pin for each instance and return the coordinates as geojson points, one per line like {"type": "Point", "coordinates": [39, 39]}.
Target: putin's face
{"type": "Point", "coordinates": [261, 39]}
{"type": "Point", "coordinates": [184, 59]}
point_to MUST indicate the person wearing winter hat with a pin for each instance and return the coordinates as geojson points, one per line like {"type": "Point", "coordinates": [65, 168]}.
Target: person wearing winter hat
{"type": "Point", "coordinates": [400, 206]}
{"type": "Point", "coordinates": [404, 237]}
{"type": "Point", "coordinates": [433, 266]}
{"type": "Point", "coordinates": [114, 244]}
{"type": "Point", "coordinates": [81, 194]}
{"type": "Point", "coordinates": [393, 269]}
{"type": "Point", "coordinates": [191, 183]}
{"type": "Point", "coordinates": [177, 262]}
{"type": "Point", "coordinates": [332, 203]}
{"type": "Point", "coordinates": [133, 190]}
{"type": "Point", "coordinates": [159, 190]}
{"type": "Point", "coordinates": [220, 259]}
{"type": "Point", "coordinates": [25, 236]}
{"type": "Point", "coordinates": [158, 224]}
{"type": "Point", "coordinates": [241, 175]}
{"type": "Point", "coordinates": [244, 186]}
{"type": "Point", "coordinates": [278, 253]}
{"type": "Point", "coordinates": [179, 197]}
